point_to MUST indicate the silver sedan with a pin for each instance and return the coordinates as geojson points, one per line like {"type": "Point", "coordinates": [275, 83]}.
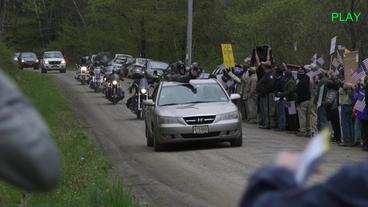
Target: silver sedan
{"type": "Point", "coordinates": [198, 110]}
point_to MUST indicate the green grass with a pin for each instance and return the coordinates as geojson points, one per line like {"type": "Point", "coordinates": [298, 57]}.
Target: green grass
{"type": "Point", "coordinates": [86, 175]}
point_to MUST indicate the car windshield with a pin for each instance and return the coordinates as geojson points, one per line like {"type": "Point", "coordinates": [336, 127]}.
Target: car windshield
{"type": "Point", "coordinates": [158, 65]}
{"type": "Point", "coordinates": [53, 55]}
{"type": "Point", "coordinates": [191, 93]}
{"type": "Point", "coordinates": [28, 55]}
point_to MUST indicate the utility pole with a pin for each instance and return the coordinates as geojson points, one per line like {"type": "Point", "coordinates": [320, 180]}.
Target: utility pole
{"type": "Point", "coordinates": [188, 57]}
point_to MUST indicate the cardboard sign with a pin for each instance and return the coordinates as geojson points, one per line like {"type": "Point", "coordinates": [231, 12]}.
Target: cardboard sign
{"type": "Point", "coordinates": [350, 65]}
{"type": "Point", "coordinates": [333, 45]}
{"type": "Point", "coordinates": [228, 55]}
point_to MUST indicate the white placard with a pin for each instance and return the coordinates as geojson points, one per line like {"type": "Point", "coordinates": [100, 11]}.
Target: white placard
{"type": "Point", "coordinates": [333, 45]}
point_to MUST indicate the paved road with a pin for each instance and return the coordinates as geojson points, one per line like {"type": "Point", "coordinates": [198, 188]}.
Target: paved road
{"type": "Point", "coordinates": [191, 175]}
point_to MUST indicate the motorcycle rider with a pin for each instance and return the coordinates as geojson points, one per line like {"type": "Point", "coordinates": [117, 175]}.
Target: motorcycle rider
{"type": "Point", "coordinates": [177, 69]}
{"type": "Point", "coordinates": [110, 79]}
{"type": "Point", "coordinates": [155, 79]}
{"type": "Point", "coordinates": [131, 102]}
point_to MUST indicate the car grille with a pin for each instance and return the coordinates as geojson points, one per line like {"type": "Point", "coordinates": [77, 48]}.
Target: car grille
{"type": "Point", "coordinates": [199, 120]}
{"type": "Point", "coordinates": [54, 62]}
{"type": "Point", "coordinates": [211, 134]}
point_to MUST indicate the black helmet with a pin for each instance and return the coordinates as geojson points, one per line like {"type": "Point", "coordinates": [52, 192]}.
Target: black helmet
{"type": "Point", "coordinates": [194, 66]}
{"type": "Point", "coordinates": [180, 67]}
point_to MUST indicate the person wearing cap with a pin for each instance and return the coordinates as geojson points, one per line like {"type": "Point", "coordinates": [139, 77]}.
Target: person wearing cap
{"type": "Point", "coordinates": [275, 186]}
{"type": "Point", "coordinates": [244, 80]}
{"type": "Point", "coordinates": [280, 101]}
{"type": "Point", "coordinates": [265, 89]}
{"type": "Point", "coordinates": [303, 102]}
{"type": "Point", "coordinates": [250, 96]}
{"type": "Point", "coordinates": [289, 93]}
{"type": "Point", "coordinates": [320, 100]}
{"type": "Point", "coordinates": [346, 104]}
{"type": "Point", "coordinates": [331, 106]}
{"type": "Point", "coordinates": [312, 116]}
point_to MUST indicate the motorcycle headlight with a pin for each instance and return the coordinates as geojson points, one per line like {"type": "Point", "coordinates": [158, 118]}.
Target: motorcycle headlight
{"type": "Point", "coordinates": [229, 116]}
{"type": "Point", "coordinates": [115, 82]}
{"type": "Point", "coordinates": [63, 62]}
{"type": "Point", "coordinates": [83, 69]}
{"type": "Point", "coordinates": [143, 91]}
{"type": "Point", "coordinates": [168, 120]}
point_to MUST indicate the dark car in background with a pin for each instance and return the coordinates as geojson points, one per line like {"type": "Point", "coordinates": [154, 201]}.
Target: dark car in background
{"type": "Point", "coordinates": [137, 67]}
{"type": "Point", "coordinates": [152, 65]}
{"type": "Point", "coordinates": [28, 60]}
{"type": "Point", "coordinates": [120, 62]}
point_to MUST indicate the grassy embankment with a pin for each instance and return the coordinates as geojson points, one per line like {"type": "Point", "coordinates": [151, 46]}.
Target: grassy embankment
{"type": "Point", "coordinates": [86, 179]}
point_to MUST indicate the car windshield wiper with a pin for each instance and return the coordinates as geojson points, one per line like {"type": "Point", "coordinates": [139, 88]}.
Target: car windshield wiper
{"type": "Point", "coordinates": [170, 104]}
{"type": "Point", "coordinates": [194, 102]}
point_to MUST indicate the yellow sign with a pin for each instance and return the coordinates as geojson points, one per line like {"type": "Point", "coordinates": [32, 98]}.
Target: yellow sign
{"type": "Point", "coordinates": [227, 52]}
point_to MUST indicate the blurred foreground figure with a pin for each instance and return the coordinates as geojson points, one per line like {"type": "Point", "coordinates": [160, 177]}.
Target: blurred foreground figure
{"type": "Point", "coordinates": [275, 186]}
{"type": "Point", "coordinates": [28, 156]}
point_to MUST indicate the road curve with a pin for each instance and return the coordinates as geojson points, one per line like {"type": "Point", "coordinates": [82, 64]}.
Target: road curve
{"type": "Point", "coordinates": [190, 175]}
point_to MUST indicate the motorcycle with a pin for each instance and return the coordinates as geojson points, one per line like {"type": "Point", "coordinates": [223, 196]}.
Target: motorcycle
{"type": "Point", "coordinates": [83, 74]}
{"type": "Point", "coordinates": [97, 79]}
{"type": "Point", "coordinates": [142, 93]}
{"type": "Point", "coordinates": [114, 92]}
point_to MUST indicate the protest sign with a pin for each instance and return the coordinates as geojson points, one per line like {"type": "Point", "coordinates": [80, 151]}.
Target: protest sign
{"type": "Point", "coordinates": [350, 66]}
{"type": "Point", "coordinates": [228, 55]}
{"type": "Point", "coordinates": [333, 45]}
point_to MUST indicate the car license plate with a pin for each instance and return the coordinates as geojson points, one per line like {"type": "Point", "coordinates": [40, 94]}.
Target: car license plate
{"type": "Point", "coordinates": [200, 129]}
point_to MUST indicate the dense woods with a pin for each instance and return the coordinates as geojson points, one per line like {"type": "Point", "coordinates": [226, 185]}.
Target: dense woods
{"type": "Point", "coordinates": [157, 28]}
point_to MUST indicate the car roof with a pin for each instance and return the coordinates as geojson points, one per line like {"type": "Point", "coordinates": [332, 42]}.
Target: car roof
{"type": "Point", "coordinates": [123, 55]}
{"type": "Point", "coordinates": [193, 81]}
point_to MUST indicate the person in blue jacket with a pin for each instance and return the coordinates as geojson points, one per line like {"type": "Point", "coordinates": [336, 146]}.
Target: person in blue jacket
{"type": "Point", "coordinates": [275, 186]}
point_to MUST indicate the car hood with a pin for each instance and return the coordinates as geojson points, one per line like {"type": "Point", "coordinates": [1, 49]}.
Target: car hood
{"type": "Point", "coordinates": [198, 109]}
{"type": "Point", "coordinates": [29, 59]}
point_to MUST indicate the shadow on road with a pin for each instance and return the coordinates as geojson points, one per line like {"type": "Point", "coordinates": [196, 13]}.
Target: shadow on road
{"type": "Point", "coordinates": [195, 145]}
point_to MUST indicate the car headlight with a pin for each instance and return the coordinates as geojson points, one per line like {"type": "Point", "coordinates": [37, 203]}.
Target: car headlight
{"type": "Point", "coordinates": [37, 60]}
{"type": "Point", "coordinates": [143, 91]}
{"type": "Point", "coordinates": [22, 61]}
{"type": "Point", "coordinates": [167, 120]}
{"type": "Point", "coordinates": [115, 82]}
{"type": "Point", "coordinates": [229, 116]}
{"type": "Point", "coordinates": [63, 62]}
{"type": "Point", "coordinates": [46, 62]}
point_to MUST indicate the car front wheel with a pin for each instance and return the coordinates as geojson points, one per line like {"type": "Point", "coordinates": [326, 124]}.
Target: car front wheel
{"type": "Point", "coordinates": [157, 146]}
{"type": "Point", "coordinates": [148, 138]}
{"type": "Point", "coordinates": [238, 142]}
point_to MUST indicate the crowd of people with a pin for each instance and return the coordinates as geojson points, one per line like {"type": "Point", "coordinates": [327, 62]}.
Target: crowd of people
{"type": "Point", "coordinates": [302, 100]}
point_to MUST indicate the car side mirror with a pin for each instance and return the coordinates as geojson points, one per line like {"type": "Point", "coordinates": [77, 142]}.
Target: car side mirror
{"type": "Point", "coordinates": [234, 96]}
{"type": "Point", "coordinates": [149, 102]}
